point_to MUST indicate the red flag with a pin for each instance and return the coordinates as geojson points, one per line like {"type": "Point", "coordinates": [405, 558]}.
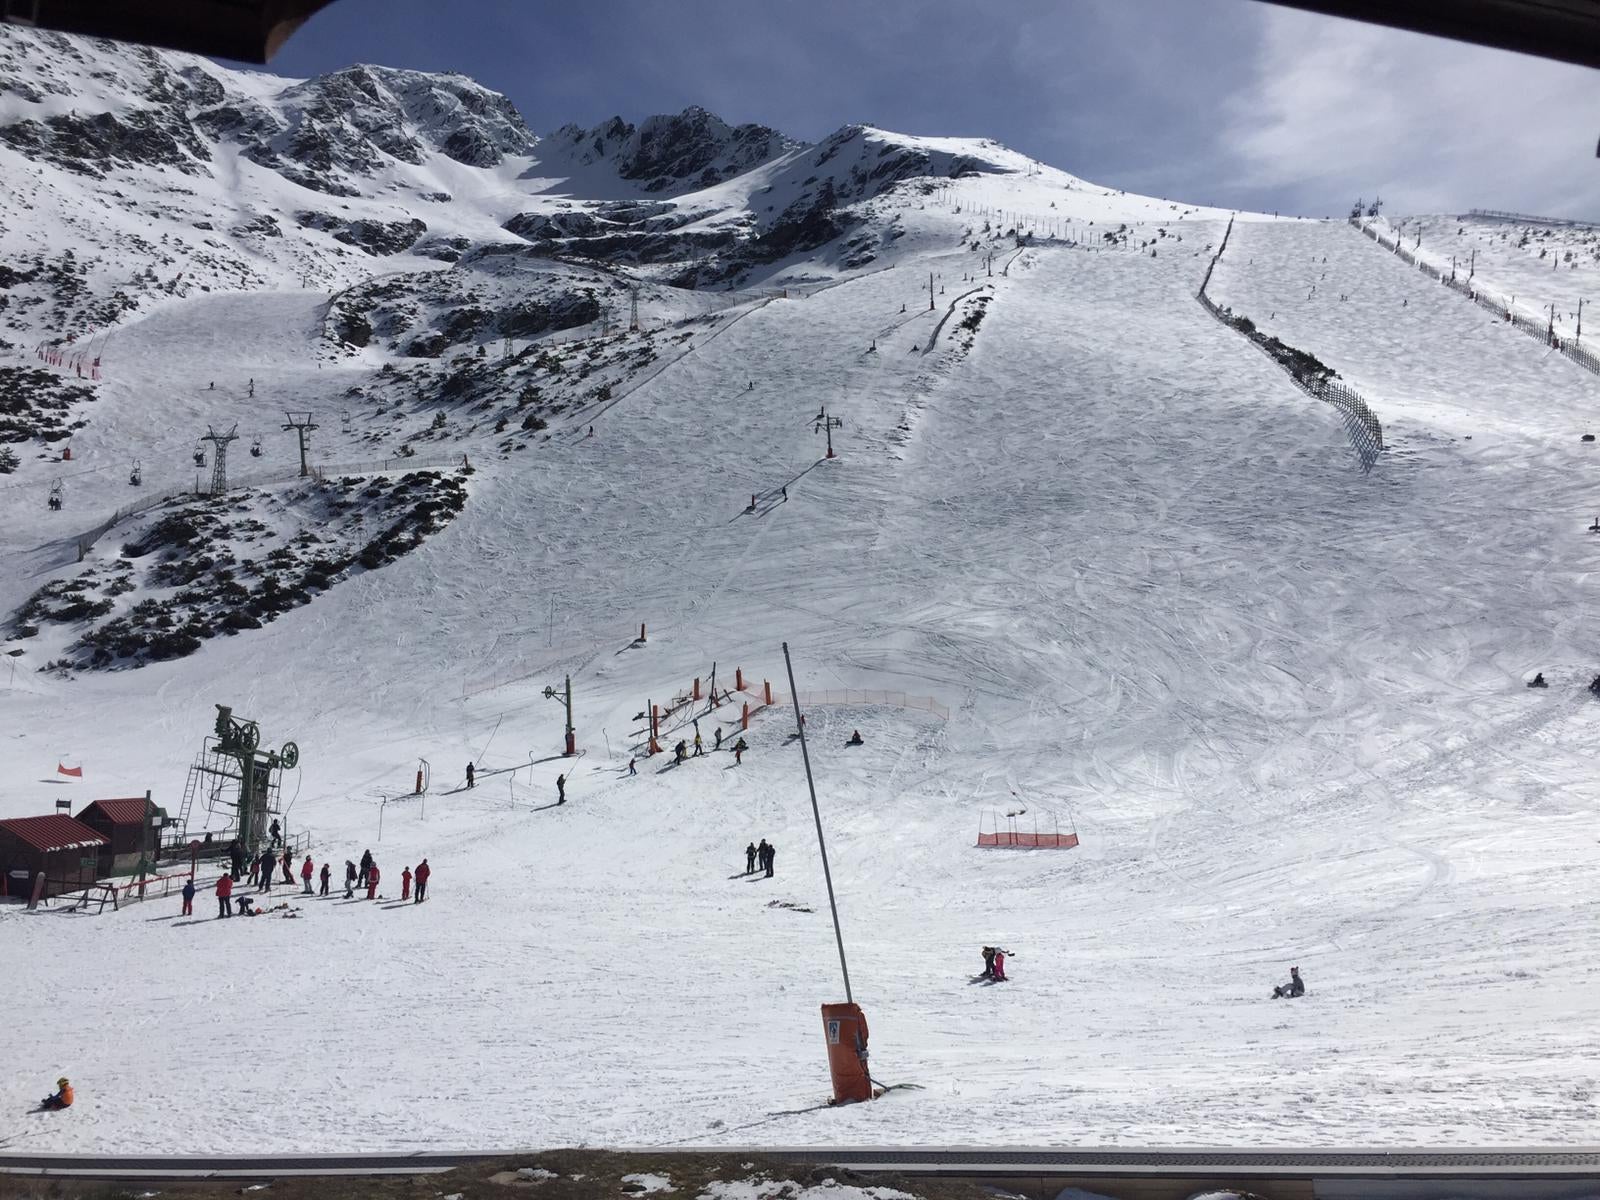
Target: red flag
{"type": "Point", "coordinates": [75, 772]}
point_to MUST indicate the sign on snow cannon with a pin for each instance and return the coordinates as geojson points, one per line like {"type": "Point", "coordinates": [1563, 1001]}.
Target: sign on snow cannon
{"type": "Point", "coordinates": [846, 1029]}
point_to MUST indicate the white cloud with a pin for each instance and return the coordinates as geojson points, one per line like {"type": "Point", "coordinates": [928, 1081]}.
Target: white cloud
{"type": "Point", "coordinates": [1336, 109]}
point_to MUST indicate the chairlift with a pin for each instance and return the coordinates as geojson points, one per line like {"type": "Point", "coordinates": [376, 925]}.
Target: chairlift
{"type": "Point", "coordinates": [55, 496]}
{"type": "Point", "coordinates": [199, 456]}
{"type": "Point", "coordinates": [135, 476]}
{"type": "Point", "coordinates": [255, 446]}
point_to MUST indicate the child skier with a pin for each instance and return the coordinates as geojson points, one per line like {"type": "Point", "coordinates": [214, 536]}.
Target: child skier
{"type": "Point", "coordinates": [405, 883]}
{"type": "Point", "coordinates": [61, 1099]}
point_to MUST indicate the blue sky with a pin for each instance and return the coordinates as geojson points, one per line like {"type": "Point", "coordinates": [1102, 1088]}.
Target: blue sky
{"type": "Point", "coordinates": [1224, 102]}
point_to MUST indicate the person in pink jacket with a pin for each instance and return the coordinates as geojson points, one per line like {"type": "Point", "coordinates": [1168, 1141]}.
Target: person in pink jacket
{"type": "Point", "coordinates": [306, 871]}
{"type": "Point", "coordinates": [372, 881]}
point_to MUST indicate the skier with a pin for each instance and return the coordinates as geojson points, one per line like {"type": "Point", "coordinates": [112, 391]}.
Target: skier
{"type": "Point", "coordinates": [349, 879]}
{"type": "Point", "coordinates": [405, 883]}
{"type": "Point", "coordinates": [680, 751]}
{"type": "Point", "coordinates": [632, 770]}
{"type": "Point", "coordinates": [1594, 685]}
{"type": "Point", "coordinates": [276, 831]}
{"type": "Point", "coordinates": [255, 870]}
{"type": "Point", "coordinates": [752, 386]}
{"type": "Point", "coordinates": [561, 789]}
{"type": "Point", "coordinates": [366, 865]}
{"type": "Point", "coordinates": [212, 386]}
{"type": "Point", "coordinates": [372, 882]}
{"type": "Point", "coordinates": [988, 963]}
{"type": "Point", "coordinates": [1538, 681]}
{"type": "Point", "coordinates": [699, 746]}
{"type": "Point", "coordinates": [288, 866]}
{"type": "Point", "coordinates": [761, 854]}
{"type": "Point", "coordinates": [1295, 987]}
{"type": "Point", "coordinates": [718, 744]}
{"type": "Point", "coordinates": [738, 751]}
{"type": "Point", "coordinates": [188, 898]}
{"type": "Point", "coordinates": [327, 874]}
{"type": "Point", "coordinates": [772, 852]}
{"type": "Point", "coordinates": [236, 858]}
{"type": "Point", "coordinates": [472, 776]}
{"type": "Point", "coordinates": [423, 871]}
{"type": "Point", "coordinates": [61, 1099]}
{"type": "Point", "coordinates": [224, 890]}
{"type": "Point", "coordinates": [855, 739]}
{"type": "Point", "coordinates": [999, 965]}
{"type": "Point", "coordinates": [750, 859]}
{"type": "Point", "coordinates": [264, 875]}
{"type": "Point", "coordinates": [306, 871]}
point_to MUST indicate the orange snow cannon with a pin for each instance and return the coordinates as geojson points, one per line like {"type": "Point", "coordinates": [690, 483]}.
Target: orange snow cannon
{"type": "Point", "coordinates": [846, 1030]}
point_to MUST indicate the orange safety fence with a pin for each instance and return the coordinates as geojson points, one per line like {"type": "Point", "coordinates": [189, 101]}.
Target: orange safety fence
{"type": "Point", "coordinates": [1046, 841]}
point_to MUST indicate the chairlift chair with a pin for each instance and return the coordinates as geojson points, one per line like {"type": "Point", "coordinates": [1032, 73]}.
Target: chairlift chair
{"type": "Point", "coordinates": [199, 456]}
{"type": "Point", "coordinates": [255, 446]}
{"type": "Point", "coordinates": [135, 476]}
{"type": "Point", "coordinates": [55, 496]}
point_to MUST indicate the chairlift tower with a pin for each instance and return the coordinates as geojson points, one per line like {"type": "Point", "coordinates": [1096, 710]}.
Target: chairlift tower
{"type": "Point", "coordinates": [219, 465]}
{"type": "Point", "coordinates": [633, 311]}
{"type": "Point", "coordinates": [302, 424]}
{"type": "Point", "coordinates": [823, 423]}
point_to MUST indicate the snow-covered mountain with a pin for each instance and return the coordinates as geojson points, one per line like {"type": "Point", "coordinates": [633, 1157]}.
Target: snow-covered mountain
{"type": "Point", "coordinates": [1084, 558]}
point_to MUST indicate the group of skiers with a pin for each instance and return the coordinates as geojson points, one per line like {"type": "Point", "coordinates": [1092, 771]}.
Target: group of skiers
{"type": "Point", "coordinates": [759, 857]}
{"type": "Point", "coordinates": [994, 964]}
{"type": "Point", "coordinates": [263, 865]}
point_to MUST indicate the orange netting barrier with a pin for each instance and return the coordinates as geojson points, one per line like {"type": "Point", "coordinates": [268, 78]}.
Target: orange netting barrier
{"type": "Point", "coordinates": [1046, 841]}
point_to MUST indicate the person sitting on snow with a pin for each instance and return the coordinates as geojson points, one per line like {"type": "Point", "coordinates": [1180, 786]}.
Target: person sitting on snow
{"type": "Point", "coordinates": [1295, 987]}
{"type": "Point", "coordinates": [855, 739]}
{"type": "Point", "coordinates": [1538, 681]}
{"type": "Point", "coordinates": [62, 1097]}
{"type": "Point", "coordinates": [1594, 685]}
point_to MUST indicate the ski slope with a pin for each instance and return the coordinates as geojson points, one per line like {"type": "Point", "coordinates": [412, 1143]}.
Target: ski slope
{"type": "Point", "coordinates": [1281, 699]}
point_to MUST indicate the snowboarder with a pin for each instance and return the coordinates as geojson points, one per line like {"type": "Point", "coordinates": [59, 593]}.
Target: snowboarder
{"type": "Point", "coordinates": [632, 770]}
{"type": "Point", "coordinates": [327, 874]}
{"type": "Point", "coordinates": [1538, 681]}
{"type": "Point", "coordinates": [750, 859]}
{"type": "Point", "coordinates": [988, 963]}
{"type": "Point", "coordinates": [999, 973]}
{"type": "Point", "coordinates": [738, 751]}
{"type": "Point", "coordinates": [366, 865]}
{"type": "Point", "coordinates": [405, 883]}
{"type": "Point", "coordinates": [224, 890]}
{"type": "Point", "coordinates": [1295, 987]}
{"type": "Point", "coordinates": [188, 898]}
{"type": "Point", "coordinates": [276, 831]}
{"type": "Point", "coordinates": [61, 1099]}
{"type": "Point", "coordinates": [306, 871]}
{"type": "Point", "coordinates": [561, 789]}
{"type": "Point", "coordinates": [372, 882]}
{"type": "Point", "coordinates": [472, 775]}
{"type": "Point", "coordinates": [349, 879]}
{"type": "Point", "coordinates": [855, 739]}
{"type": "Point", "coordinates": [423, 871]}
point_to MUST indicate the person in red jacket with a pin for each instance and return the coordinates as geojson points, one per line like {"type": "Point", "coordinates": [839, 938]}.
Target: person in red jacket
{"type": "Point", "coordinates": [306, 870]}
{"type": "Point", "coordinates": [224, 891]}
{"type": "Point", "coordinates": [405, 883]}
{"type": "Point", "coordinates": [423, 871]}
{"type": "Point", "coordinates": [372, 881]}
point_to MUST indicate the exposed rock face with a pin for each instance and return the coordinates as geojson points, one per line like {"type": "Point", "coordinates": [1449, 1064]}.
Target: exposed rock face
{"type": "Point", "coordinates": [677, 153]}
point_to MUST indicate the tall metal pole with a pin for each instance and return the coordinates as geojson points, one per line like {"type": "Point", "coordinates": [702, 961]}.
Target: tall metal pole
{"type": "Point", "coordinates": [827, 875]}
